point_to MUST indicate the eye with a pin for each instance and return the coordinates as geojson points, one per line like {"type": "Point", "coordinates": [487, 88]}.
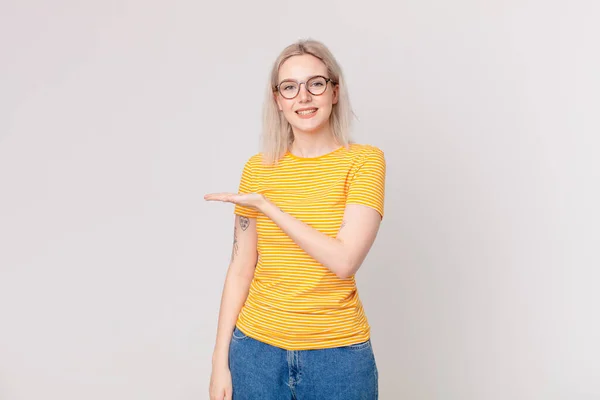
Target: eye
{"type": "Point", "coordinates": [288, 86]}
{"type": "Point", "coordinates": [317, 82]}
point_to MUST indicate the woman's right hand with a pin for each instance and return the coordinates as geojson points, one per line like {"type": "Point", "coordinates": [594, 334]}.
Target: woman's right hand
{"type": "Point", "coordinates": [221, 387]}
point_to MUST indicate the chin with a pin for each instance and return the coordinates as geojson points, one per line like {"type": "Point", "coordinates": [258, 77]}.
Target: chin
{"type": "Point", "coordinates": [312, 126]}
{"type": "Point", "coordinates": [309, 128]}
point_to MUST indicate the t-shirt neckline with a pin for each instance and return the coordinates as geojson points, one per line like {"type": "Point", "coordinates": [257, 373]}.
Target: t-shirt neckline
{"type": "Point", "coordinates": [295, 157]}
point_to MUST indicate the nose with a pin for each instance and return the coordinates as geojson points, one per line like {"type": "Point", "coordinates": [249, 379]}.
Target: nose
{"type": "Point", "coordinates": [303, 94]}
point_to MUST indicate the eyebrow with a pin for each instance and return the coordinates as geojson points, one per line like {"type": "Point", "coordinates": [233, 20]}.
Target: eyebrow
{"type": "Point", "coordinates": [305, 79]}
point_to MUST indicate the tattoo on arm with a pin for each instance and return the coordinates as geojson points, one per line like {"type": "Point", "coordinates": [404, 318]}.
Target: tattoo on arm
{"type": "Point", "coordinates": [343, 224]}
{"type": "Point", "coordinates": [234, 252]}
{"type": "Point", "coordinates": [244, 223]}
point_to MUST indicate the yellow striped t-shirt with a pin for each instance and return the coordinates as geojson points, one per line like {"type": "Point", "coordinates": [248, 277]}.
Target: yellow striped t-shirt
{"type": "Point", "coordinates": [294, 302]}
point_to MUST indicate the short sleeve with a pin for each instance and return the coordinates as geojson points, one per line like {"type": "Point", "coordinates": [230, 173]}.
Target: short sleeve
{"type": "Point", "coordinates": [247, 185]}
{"type": "Point", "coordinates": [367, 184]}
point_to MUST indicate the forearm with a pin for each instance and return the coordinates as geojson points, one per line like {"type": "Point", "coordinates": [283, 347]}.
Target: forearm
{"type": "Point", "coordinates": [235, 292]}
{"type": "Point", "coordinates": [328, 251]}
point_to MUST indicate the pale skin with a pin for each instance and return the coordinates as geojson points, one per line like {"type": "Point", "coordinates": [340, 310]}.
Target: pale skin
{"type": "Point", "coordinates": [237, 283]}
{"type": "Point", "coordinates": [342, 255]}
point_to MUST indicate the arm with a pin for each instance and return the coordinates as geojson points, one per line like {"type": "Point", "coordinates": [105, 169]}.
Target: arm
{"type": "Point", "coordinates": [342, 255]}
{"type": "Point", "coordinates": [237, 283]}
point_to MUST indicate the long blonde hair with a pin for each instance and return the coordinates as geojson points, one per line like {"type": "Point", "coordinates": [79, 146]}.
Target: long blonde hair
{"type": "Point", "coordinates": [277, 135]}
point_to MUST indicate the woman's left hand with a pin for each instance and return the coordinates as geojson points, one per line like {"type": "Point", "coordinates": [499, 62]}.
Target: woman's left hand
{"type": "Point", "coordinates": [255, 200]}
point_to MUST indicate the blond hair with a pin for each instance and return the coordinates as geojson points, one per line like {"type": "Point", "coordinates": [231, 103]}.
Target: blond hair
{"type": "Point", "coordinates": [277, 135]}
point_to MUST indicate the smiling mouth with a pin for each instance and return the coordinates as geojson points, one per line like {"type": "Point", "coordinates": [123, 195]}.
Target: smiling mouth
{"type": "Point", "coordinates": [307, 112]}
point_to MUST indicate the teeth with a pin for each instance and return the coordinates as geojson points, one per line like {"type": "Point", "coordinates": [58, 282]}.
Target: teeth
{"type": "Point", "coordinates": [306, 112]}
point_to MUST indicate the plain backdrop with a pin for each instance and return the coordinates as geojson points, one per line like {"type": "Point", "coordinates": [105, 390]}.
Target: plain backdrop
{"type": "Point", "coordinates": [116, 117]}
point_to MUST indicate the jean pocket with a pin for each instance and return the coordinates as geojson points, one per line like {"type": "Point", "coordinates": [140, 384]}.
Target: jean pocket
{"type": "Point", "coordinates": [360, 346]}
{"type": "Point", "coordinates": [238, 335]}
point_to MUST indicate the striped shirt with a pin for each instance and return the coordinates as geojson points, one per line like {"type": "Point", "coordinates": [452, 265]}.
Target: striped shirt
{"type": "Point", "coordinates": [294, 302]}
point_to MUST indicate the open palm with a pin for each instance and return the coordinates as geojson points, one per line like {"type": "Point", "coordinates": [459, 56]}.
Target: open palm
{"type": "Point", "coordinates": [246, 200]}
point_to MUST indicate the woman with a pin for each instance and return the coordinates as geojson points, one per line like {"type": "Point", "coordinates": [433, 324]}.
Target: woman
{"type": "Point", "coordinates": [291, 324]}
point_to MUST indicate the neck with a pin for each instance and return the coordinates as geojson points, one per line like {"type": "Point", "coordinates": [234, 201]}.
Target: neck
{"type": "Point", "coordinates": [313, 144]}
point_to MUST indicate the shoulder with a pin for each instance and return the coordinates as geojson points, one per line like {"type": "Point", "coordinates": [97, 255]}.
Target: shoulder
{"type": "Point", "coordinates": [254, 161]}
{"type": "Point", "coordinates": [366, 152]}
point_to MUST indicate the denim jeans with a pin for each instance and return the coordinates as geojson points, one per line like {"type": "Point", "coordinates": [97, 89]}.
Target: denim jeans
{"type": "Point", "coordinates": [263, 372]}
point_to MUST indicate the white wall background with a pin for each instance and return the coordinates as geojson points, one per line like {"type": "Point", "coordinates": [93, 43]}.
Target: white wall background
{"type": "Point", "coordinates": [116, 117]}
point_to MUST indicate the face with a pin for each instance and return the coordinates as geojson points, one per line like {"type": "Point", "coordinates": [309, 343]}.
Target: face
{"type": "Point", "coordinates": [306, 112]}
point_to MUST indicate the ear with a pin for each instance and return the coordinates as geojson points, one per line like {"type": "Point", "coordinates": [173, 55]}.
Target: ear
{"type": "Point", "coordinates": [336, 94]}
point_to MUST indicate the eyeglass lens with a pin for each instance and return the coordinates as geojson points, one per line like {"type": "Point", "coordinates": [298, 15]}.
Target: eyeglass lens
{"type": "Point", "coordinates": [315, 86]}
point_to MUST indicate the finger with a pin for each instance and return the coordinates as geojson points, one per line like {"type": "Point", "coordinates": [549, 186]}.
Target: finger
{"type": "Point", "coordinates": [219, 197]}
{"type": "Point", "coordinates": [216, 198]}
{"type": "Point", "coordinates": [219, 194]}
{"type": "Point", "coordinates": [230, 197]}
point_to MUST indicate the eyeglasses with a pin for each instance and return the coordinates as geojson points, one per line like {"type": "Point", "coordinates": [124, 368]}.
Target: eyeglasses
{"type": "Point", "coordinates": [316, 85]}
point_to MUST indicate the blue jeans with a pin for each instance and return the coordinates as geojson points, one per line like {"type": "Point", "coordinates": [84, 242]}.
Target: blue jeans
{"type": "Point", "coordinates": [263, 372]}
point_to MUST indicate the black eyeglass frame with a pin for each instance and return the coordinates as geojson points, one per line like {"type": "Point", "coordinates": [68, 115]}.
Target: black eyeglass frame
{"type": "Point", "coordinates": [327, 80]}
